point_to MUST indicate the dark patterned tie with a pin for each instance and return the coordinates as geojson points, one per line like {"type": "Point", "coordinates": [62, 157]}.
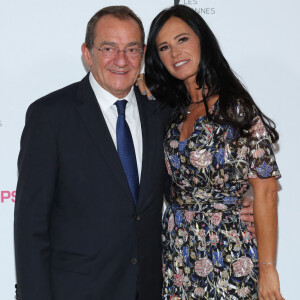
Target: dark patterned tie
{"type": "Point", "coordinates": [126, 150]}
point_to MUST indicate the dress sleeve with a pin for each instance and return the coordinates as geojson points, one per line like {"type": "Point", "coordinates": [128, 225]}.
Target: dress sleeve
{"type": "Point", "coordinates": [262, 163]}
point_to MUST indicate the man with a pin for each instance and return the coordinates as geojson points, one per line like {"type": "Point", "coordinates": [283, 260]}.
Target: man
{"type": "Point", "coordinates": [88, 220]}
{"type": "Point", "coordinates": [79, 231]}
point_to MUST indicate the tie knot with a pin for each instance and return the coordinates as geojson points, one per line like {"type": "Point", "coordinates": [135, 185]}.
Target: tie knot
{"type": "Point", "coordinates": [121, 106]}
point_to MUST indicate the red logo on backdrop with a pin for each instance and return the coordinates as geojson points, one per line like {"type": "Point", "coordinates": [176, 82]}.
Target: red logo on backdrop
{"type": "Point", "coordinates": [8, 196]}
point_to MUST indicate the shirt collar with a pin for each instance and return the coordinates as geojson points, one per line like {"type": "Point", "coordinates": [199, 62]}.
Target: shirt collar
{"type": "Point", "coordinates": [105, 98]}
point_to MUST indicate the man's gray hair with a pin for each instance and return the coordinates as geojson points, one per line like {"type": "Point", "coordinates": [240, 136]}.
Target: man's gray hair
{"type": "Point", "coordinates": [120, 12]}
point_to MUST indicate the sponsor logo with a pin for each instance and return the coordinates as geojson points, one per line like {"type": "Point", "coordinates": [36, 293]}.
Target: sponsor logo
{"type": "Point", "coordinates": [194, 4]}
{"type": "Point", "coordinates": [8, 197]}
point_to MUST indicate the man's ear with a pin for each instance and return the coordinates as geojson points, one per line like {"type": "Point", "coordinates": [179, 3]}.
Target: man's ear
{"type": "Point", "coordinates": [87, 55]}
{"type": "Point", "coordinates": [144, 50]}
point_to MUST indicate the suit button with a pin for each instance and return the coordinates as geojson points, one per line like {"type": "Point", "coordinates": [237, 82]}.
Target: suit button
{"type": "Point", "coordinates": [137, 217]}
{"type": "Point", "coordinates": [134, 261]}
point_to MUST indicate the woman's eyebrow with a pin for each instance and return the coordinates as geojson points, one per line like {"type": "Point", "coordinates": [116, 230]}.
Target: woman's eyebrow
{"type": "Point", "coordinates": [176, 37]}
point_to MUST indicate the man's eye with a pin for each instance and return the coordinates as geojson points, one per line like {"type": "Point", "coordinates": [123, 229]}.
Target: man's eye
{"type": "Point", "coordinates": [132, 50]}
{"type": "Point", "coordinates": [108, 49]}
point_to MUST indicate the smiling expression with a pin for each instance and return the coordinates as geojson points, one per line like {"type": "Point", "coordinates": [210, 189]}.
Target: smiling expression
{"type": "Point", "coordinates": [116, 74]}
{"type": "Point", "coordinates": [179, 49]}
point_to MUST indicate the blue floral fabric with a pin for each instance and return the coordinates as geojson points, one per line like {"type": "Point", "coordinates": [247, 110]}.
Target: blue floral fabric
{"type": "Point", "coordinates": [208, 253]}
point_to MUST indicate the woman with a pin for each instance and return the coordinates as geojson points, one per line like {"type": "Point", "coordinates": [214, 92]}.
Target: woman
{"type": "Point", "coordinates": [217, 144]}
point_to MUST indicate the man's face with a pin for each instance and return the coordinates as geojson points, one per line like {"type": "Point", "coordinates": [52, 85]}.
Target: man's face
{"type": "Point", "coordinates": [115, 73]}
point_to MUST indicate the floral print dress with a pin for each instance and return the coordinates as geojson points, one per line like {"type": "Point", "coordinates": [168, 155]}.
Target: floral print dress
{"type": "Point", "coordinates": [208, 253]}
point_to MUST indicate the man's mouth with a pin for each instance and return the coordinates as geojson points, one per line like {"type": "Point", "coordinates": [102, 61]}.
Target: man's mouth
{"type": "Point", "coordinates": [118, 72]}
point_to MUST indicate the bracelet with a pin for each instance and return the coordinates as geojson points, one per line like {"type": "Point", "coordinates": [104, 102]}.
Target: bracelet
{"type": "Point", "coordinates": [266, 263]}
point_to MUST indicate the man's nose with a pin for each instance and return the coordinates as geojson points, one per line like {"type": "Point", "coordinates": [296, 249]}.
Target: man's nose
{"type": "Point", "coordinates": [120, 58]}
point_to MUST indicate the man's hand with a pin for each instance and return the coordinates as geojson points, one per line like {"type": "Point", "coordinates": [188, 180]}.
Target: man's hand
{"type": "Point", "coordinates": [246, 213]}
{"type": "Point", "coordinates": [143, 87]}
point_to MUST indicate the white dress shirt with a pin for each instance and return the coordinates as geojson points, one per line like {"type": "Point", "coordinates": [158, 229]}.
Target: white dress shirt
{"type": "Point", "coordinates": [110, 113]}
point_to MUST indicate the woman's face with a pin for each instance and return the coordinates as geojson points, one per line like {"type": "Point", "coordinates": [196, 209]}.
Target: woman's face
{"type": "Point", "coordinates": [179, 49]}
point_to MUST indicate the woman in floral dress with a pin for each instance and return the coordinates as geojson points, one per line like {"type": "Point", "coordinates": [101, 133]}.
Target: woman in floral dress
{"type": "Point", "coordinates": [217, 144]}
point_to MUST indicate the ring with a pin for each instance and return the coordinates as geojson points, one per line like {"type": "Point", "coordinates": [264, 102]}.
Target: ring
{"type": "Point", "coordinates": [139, 78]}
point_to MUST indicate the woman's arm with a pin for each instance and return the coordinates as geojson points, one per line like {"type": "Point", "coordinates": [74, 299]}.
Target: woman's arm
{"type": "Point", "coordinates": [143, 87]}
{"type": "Point", "coordinates": [265, 219]}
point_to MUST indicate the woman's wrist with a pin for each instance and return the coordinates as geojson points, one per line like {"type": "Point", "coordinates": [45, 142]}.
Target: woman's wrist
{"type": "Point", "coordinates": [266, 263]}
{"type": "Point", "coordinates": [265, 269]}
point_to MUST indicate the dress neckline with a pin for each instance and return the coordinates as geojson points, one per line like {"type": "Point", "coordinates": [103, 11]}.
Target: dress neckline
{"type": "Point", "coordinates": [180, 125]}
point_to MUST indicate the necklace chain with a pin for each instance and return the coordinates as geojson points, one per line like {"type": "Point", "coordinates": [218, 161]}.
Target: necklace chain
{"type": "Point", "coordinates": [196, 103]}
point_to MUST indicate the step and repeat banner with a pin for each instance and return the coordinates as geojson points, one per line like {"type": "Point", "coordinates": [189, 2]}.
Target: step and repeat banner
{"type": "Point", "coordinates": [40, 52]}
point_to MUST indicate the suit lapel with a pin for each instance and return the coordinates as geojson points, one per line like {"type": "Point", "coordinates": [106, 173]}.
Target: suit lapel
{"type": "Point", "coordinates": [91, 115]}
{"type": "Point", "coordinates": [144, 111]}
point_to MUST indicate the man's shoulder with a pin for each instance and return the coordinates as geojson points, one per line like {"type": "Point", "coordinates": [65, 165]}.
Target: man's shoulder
{"type": "Point", "coordinates": [57, 105]}
{"type": "Point", "coordinates": [60, 98]}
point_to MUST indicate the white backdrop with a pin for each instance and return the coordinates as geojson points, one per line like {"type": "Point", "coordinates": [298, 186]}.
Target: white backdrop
{"type": "Point", "coordinates": [40, 52]}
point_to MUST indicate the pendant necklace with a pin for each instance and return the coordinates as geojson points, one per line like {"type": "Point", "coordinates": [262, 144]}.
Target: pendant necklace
{"type": "Point", "coordinates": [195, 105]}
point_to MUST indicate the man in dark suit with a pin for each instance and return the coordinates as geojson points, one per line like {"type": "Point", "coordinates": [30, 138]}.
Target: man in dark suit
{"type": "Point", "coordinates": [85, 227]}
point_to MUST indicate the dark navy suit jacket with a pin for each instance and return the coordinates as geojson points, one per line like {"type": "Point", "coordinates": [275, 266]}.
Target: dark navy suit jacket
{"type": "Point", "coordinates": [78, 233]}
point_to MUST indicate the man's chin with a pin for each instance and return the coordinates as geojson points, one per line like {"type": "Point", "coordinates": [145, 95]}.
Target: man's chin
{"type": "Point", "coordinates": [120, 91]}
{"type": "Point", "coordinates": [123, 85]}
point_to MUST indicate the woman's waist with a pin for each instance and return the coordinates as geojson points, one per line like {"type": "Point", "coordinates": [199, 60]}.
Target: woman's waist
{"type": "Point", "coordinates": [206, 207]}
{"type": "Point", "coordinates": [205, 197]}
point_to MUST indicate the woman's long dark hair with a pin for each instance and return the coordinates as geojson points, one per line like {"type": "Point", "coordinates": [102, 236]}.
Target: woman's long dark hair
{"type": "Point", "coordinates": [237, 107]}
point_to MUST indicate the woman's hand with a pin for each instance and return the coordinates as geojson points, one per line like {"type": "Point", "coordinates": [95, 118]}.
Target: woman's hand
{"type": "Point", "coordinates": [143, 87]}
{"type": "Point", "coordinates": [268, 283]}
{"type": "Point", "coordinates": [246, 213]}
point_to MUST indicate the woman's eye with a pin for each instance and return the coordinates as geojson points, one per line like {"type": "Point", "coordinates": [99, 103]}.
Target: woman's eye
{"type": "Point", "coordinates": [183, 39]}
{"type": "Point", "coordinates": [163, 48]}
